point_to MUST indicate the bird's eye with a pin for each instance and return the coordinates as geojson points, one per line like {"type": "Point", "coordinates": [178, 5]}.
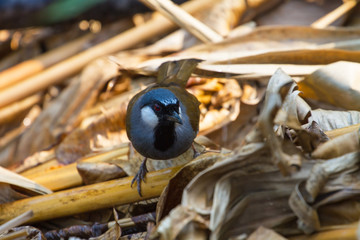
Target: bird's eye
{"type": "Point", "coordinates": [157, 107]}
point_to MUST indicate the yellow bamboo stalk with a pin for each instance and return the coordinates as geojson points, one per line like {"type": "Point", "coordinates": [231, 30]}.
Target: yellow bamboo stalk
{"type": "Point", "coordinates": [335, 14]}
{"type": "Point", "coordinates": [88, 198]}
{"type": "Point", "coordinates": [11, 111]}
{"type": "Point", "coordinates": [28, 68]}
{"type": "Point", "coordinates": [156, 26]}
{"type": "Point", "coordinates": [67, 176]}
{"type": "Point", "coordinates": [21, 234]}
{"type": "Point", "coordinates": [184, 20]}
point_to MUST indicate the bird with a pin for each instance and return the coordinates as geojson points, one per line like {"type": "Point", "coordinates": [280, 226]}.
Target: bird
{"type": "Point", "coordinates": [162, 121]}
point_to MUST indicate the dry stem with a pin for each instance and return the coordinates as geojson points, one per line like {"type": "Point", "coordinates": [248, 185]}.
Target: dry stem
{"type": "Point", "coordinates": [88, 198]}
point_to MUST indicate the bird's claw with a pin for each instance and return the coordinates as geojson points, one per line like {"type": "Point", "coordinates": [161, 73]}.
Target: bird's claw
{"type": "Point", "coordinates": [196, 153]}
{"type": "Point", "coordinates": [140, 176]}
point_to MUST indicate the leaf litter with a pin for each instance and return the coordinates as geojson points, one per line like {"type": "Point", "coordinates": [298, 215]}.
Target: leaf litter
{"type": "Point", "coordinates": [279, 137]}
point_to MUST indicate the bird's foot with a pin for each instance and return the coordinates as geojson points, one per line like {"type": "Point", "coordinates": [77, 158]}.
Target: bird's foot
{"type": "Point", "coordinates": [140, 176]}
{"type": "Point", "coordinates": [196, 153]}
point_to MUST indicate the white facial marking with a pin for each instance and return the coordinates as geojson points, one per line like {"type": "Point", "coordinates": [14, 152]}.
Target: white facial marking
{"type": "Point", "coordinates": [149, 117]}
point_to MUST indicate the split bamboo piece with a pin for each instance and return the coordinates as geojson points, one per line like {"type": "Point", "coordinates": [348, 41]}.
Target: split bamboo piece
{"type": "Point", "coordinates": [88, 198]}
{"type": "Point", "coordinates": [17, 221]}
{"type": "Point", "coordinates": [21, 234]}
{"type": "Point", "coordinates": [184, 20]}
{"type": "Point", "coordinates": [67, 176]}
{"type": "Point", "coordinates": [334, 15]}
{"type": "Point", "coordinates": [156, 26]}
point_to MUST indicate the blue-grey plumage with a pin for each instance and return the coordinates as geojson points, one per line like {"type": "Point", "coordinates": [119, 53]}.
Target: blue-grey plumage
{"type": "Point", "coordinates": [152, 113]}
{"type": "Point", "coordinates": [162, 121]}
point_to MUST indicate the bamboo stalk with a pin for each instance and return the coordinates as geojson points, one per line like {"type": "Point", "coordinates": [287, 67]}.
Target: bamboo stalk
{"type": "Point", "coordinates": [335, 14]}
{"type": "Point", "coordinates": [133, 221]}
{"type": "Point", "coordinates": [17, 221]}
{"type": "Point", "coordinates": [84, 229]}
{"type": "Point", "coordinates": [88, 198]}
{"type": "Point", "coordinates": [11, 111]}
{"type": "Point", "coordinates": [67, 176]}
{"type": "Point", "coordinates": [31, 67]}
{"type": "Point", "coordinates": [184, 20]}
{"type": "Point", "coordinates": [21, 234]}
{"type": "Point", "coordinates": [28, 68]}
{"type": "Point", "coordinates": [156, 26]}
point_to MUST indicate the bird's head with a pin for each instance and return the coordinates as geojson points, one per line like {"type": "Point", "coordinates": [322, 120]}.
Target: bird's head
{"type": "Point", "coordinates": [160, 107]}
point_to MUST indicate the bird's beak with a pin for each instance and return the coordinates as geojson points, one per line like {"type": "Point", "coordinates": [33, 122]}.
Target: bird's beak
{"type": "Point", "coordinates": [174, 117]}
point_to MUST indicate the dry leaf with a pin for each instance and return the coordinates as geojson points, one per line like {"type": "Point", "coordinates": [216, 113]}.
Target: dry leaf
{"type": "Point", "coordinates": [21, 183]}
{"type": "Point", "coordinates": [199, 192]}
{"type": "Point", "coordinates": [302, 200]}
{"type": "Point", "coordinates": [277, 89]}
{"type": "Point", "coordinates": [306, 12]}
{"type": "Point", "coordinates": [330, 120]}
{"type": "Point", "coordinates": [338, 146]}
{"type": "Point", "coordinates": [333, 81]}
{"type": "Point", "coordinates": [105, 130]}
{"type": "Point", "coordinates": [171, 196]}
{"type": "Point", "coordinates": [265, 233]}
{"type": "Point", "coordinates": [182, 223]}
{"type": "Point", "coordinates": [99, 172]}
{"type": "Point", "coordinates": [269, 41]}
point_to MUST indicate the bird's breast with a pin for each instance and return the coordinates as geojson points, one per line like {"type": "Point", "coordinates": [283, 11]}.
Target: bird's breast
{"type": "Point", "coordinates": [164, 136]}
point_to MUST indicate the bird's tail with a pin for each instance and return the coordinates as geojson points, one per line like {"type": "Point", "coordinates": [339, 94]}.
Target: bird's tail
{"type": "Point", "coordinates": [177, 71]}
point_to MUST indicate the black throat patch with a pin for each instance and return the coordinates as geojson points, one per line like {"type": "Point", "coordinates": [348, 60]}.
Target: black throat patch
{"type": "Point", "coordinates": [164, 136]}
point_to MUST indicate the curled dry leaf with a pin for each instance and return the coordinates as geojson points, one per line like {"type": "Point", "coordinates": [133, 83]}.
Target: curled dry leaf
{"type": "Point", "coordinates": [182, 223]}
{"type": "Point", "coordinates": [227, 192]}
{"type": "Point", "coordinates": [338, 146]}
{"type": "Point", "coordinates": [276, 91]}
{"type": "Point", "coordinates": [322, 171]}
{"type": "Point", "coordinates": [171, 196]}
{"type": "Point", "coordinates": [326, 182]}
{"type": "Point", "coordinates": [293, 119]}
{"type": "Point", "coordinates": [99, 172]}
{"type": "Point", "coordinates": [332, 81]}
{"type": "Point", "coordinates": [199, 193]}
